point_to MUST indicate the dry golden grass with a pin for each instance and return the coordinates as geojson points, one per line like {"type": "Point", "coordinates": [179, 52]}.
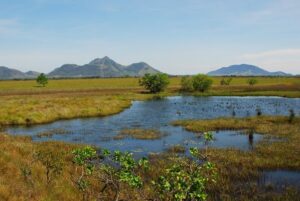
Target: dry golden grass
{"type": "Point", "coordinates": [16, 153]}
{"type": "Point", "coordinates": [42, 109]}
{"type": "Point", "coordinates": [141, 134]}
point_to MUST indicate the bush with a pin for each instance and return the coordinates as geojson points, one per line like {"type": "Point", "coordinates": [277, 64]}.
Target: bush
{"type": "Point", "coordinates": [155, 83]}
{"type": "Point", "coordinates": [252, 81]}
{"type": "Point", "coordinates": [201, 82]}
{"type": "Point", "coordinates": [226, 81]}
{"type": "Point", "coordinates": [187, 83]}
{"type": "Point", "coordinates": [42, 79]}
{"type": "Point", "coordinates": [52, 162]}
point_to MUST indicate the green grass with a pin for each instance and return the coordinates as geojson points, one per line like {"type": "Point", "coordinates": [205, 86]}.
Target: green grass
{"type": "Point", "coordinates": [123, 83]}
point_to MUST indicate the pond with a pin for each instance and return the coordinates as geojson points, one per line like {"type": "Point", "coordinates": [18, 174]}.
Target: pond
{"type": "Point", "coordinates": [158, 115]}
{"type": "Point", "coordinates": [280, 179]}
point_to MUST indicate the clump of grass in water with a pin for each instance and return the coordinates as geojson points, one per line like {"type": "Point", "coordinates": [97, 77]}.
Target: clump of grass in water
{"type": "Point", "coordinates": [141, 134]}
{"type": "Point", "coordinates": [176, 149]}
{"type": "Point", "coordinates": [50, 133]}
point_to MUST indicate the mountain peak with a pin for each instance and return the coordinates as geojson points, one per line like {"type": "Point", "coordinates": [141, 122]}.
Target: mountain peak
{"type": "Point", "coordinates": [104, 60]}
{"type": "Point", "coordinates": [103, 67]}
{"type": "Point", "coordinates": [244, 70]}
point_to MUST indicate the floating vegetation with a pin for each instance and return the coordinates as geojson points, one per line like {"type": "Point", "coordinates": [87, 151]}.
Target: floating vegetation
{"type": "Point", "coordinates": [141, 134]}
{"type": "Point", "coordinates": [56, 131]}
{"type": "Point", "coordinates": [178, 149]}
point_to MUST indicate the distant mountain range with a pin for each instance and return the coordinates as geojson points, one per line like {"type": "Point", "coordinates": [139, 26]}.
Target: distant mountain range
{"type": "Point", "coordinates": [104, 67]}
{"type": "Point", "coordinates": [8, 73]}
{"type": "Point", "coordinates": [245, 70]}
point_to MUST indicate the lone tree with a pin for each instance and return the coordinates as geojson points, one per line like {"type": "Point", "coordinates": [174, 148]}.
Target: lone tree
{"type": "Point", "coordinates": [155, 83]}
{"type": "Point", "coordinates": [42, 79]}
{"type": "Point", "coordinates": [201, 82]}
{"type": "Point", "coordinates": [252, 81]}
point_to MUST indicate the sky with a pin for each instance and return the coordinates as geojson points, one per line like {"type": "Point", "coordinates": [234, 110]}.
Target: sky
{"type": "Point", "coordinates": [174, 36]}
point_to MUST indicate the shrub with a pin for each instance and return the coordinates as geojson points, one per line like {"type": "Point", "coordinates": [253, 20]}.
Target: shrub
{"type": "Point", "coordinates": [226, 81]}
{"type": "Point", "coordinates": [155, 83]}
{"type": "Point", "coordinates": [201, 82]}
{"type": "Point", "coordinates": [42, 79]}
{"type": "Point", "coordinates": [187, 83]}
{"type": "Point", "coordinates": [83, 158]}
{"type": "Point", "coordinates": [52, 161]}
{"type": "Point", "coordinates": [187, 179]}
{"type": "Point", "coordinates": [252, 81]}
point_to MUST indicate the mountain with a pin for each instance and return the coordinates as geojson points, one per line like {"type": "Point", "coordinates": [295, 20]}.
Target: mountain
{"type": "Point", "coordinates": [102, 67]}
{"type": "Point", "coordinates": [9, 73]}
{"type": "Point", "coordinates": [32, 74]}
{"type": "Point", "coordinates": [245, 70]}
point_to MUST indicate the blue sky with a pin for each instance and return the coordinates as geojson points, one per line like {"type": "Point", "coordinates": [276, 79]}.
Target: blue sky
{"type": "Point", "coordinates": [175, 36]}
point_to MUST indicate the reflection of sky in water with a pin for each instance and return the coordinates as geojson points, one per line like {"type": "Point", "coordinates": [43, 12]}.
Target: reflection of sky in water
{"type": "Point", "coordinates": [157, 114]}
{"type": "Point", "coordinates": [280, 179]}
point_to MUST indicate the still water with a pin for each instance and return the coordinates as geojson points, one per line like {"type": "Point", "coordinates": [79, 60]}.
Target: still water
{"type": "Point", "coordinates": [158, 114]}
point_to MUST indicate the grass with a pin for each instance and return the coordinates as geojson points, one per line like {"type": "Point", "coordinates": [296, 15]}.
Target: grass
{"type": "Point", "coordinates": [51, 132]}
{"type": "Point", "coordinates": [27, 86]}
{"type": "Point", "coordinates": [240, 170]}
{"type": "Point", "coordinates": [22, 102]}
{"type": "Point", "coordinates": [16, 154]}
{"type": "Point", "coordinates": [43, 109]}
{"type": "Point", "coordinates": [177, 149]}
{"type": "Point", "coordinates": [140, 134]}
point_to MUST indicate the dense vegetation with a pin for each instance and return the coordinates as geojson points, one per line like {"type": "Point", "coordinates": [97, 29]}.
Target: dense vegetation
{"type": "Point", "coordinates": [155, 83]}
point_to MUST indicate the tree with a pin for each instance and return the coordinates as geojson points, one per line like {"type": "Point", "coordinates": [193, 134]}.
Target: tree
{"type": "Point", "coordinates": [155, 83]}
{"type": "Point", "coordinates": [226, 81]}
{"type": "Point", "coordinates": [187, 83]}
{"type": "Point", "coordinates": [252, 81]}
{"type": "Point", "coordinates": [42, 79]}
{"type": "Point", "coordinates": [201, 82]}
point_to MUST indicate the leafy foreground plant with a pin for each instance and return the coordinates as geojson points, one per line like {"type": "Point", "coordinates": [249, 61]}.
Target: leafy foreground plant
{"type": "Point", "coordinates": [119, 173]}
{"type": "Point", "coordinates": [187, 179]}
{"type": "Point", "coordinates": [113, 170]}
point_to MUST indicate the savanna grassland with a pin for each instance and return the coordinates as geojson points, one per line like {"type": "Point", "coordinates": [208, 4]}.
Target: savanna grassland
{"type": "Point", "coordinates": [24, 102]}
{"type": "Point", "coordinates": [23, 163]}
{"type": "Point", "coordinates": [24, 175]}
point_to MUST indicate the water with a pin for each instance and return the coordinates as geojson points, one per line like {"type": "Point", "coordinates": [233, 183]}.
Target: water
{"type": "Point", "coordinates": [158, 114]}
{"type": "Point", "coordinates": [280, 179]}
